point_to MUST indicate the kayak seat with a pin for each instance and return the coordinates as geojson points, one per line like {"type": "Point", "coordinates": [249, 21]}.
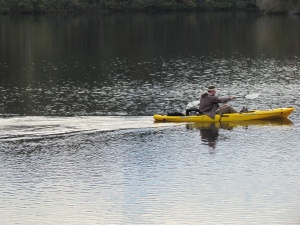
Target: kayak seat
{"type": "Point", "coordinates": [194, 111]}
{"type": "Point", "coordinates": [244, 110]}
{"type": "Point", "coordinates": [175, 114]}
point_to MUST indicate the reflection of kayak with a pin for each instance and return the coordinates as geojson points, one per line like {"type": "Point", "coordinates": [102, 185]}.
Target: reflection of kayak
{"type": "Point", "coordinates": [209, 131]}
{"type": "Point", "coordinates": [232, 124]}
{"type": "Point", "coordinates": [251, 115]}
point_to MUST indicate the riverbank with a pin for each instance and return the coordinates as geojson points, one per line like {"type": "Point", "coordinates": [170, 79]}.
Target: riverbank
{"type": "Point", "coordinates": [47, 6]}
{"type": "Point", "coordinates": [101, 6]}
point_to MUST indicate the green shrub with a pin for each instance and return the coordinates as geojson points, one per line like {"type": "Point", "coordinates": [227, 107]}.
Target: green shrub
{"type": "Point", "coordinates": [28, 6]}
{"type": "Point", "coordinates": [279, 6]}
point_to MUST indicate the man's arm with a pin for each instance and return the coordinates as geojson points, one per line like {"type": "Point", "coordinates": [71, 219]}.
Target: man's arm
{"type": "Point", "coordinates": [221, 100]}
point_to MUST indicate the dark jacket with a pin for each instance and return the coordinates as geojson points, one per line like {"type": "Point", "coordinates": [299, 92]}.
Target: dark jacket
{"type": "Point", "coordinates": [209, 104]}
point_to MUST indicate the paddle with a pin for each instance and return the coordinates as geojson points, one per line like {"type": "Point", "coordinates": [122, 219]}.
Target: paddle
{"type": "Point", "coordinates": [249, 96]}
{"type": "Point", "coordinates": [195, 104]}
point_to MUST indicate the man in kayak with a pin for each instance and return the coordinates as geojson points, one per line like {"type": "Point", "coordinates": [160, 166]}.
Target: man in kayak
{"type": "Point", "coordinates": [209, 103]}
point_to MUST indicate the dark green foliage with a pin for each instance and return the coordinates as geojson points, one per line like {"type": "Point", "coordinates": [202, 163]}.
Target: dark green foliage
{"type": "Point", "coordinates": [230, 4]}
{"type": "Point", "coordinates": [279, 6]}
{"type": "Point", "coordinates": [41, 6]}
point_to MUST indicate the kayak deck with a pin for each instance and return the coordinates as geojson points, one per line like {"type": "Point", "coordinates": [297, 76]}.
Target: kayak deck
{"type": "Point", "coordinates": [251, 115]}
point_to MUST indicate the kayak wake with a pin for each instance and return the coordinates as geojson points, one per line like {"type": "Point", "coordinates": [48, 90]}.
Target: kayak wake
{"type": "Point", "coordinates": [20, 128]}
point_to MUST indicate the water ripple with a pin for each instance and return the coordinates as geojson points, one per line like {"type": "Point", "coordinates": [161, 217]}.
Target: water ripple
{"type": "Point", "coordinates": [150, 87]}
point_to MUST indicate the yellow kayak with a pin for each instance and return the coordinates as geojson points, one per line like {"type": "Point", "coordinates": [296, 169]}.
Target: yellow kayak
{"type": "Point", "coordinates": [251, 115]}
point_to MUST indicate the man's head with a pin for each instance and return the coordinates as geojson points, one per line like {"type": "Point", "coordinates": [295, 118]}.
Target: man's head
{"type": "Point", "coordinates": [211, 90]}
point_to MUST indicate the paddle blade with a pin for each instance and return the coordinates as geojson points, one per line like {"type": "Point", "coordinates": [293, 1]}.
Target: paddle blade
{"type": "Point", "coordinates": [194, 104]}
{"type": "Point", "coordinates": [252, 96]}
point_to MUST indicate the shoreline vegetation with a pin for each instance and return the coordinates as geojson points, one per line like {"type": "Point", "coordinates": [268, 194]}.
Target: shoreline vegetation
{"type": "Point", "coordinates": [100, 6]}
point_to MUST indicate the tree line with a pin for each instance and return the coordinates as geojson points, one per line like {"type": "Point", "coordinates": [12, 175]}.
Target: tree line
{"type": "Point", "coordinates": [57, 6]}
{"type": "Point", "coordinates": [279, 6]}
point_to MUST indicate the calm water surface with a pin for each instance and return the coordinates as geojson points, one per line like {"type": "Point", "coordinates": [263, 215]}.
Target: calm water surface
{"type": "Point", "coordinates": [78, 144]}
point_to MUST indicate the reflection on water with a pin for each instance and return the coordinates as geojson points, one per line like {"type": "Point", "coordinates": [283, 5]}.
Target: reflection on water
{"type": "Point", "coordinates": [141, 64]}
{"type": "Point", "coordinates": [210, 135]}
{"type": "Point", "coordinates": [209, 132]}
{"type": "Point", "coordinates": [160, 89]}
{"type": "Point", "coordinates": [153, 176]}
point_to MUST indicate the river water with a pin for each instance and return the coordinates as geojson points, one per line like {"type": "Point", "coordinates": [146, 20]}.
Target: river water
{"type": "Point", "coordinates": [78, 144]}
